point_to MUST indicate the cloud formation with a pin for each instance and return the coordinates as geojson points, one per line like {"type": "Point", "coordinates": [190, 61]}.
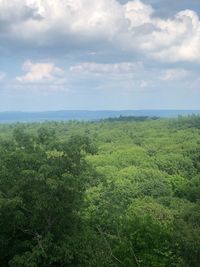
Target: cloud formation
{"type": "Point", "coordinates": [109, 68]}
{"type": "Point", "coordinates": [132, 26]}
{"type": "Point", "coordinates": [39, 72]}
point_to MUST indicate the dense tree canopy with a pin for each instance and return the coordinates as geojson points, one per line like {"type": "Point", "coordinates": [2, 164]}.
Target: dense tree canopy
{"type": "Point", "coordinates": [122, 192]}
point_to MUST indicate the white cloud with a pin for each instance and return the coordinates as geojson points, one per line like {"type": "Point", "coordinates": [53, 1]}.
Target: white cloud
{"type": "Point", "coordinates": [137, 13]}
{"type": "Point", "coordinates": [132, 26]}
{"type": "Point", "coordinates": [111, 68]}
{"type": "Point", "coordinates": [38, 72]}
{"type": "Point", "coordinates": [175, 39]}
{"type": "Point", "coordinates": [44, 77]}
{"type": "Point", "coordinates": [120, 76]}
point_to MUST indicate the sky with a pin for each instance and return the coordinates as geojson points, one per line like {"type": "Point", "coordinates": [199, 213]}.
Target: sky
{"type": "Point", "coordinates": [99, 54]}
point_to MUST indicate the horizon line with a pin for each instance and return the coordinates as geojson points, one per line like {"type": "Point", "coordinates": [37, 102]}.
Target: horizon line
{"type": "Point", "coordinates": [94, 110]}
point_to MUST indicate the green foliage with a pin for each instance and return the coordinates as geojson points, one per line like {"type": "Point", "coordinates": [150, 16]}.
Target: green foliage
{"type": "Point", "coordinates": [122, 192]}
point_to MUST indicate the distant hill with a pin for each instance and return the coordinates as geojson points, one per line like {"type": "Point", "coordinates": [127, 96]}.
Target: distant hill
{"type": "Point", "coordinates": [85, 115]}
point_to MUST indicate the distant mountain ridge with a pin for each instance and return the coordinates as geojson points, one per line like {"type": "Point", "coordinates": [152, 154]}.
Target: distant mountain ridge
{"type": "Point", "coordinates": [86, 115]}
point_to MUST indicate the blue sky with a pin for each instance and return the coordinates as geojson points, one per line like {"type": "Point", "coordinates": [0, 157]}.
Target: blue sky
{"type": "Point", "coordinates": [99, 54]}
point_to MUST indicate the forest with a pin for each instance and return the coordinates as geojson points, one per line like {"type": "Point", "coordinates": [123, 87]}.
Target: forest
{"type": "Point", "coordinates": [114, 192]}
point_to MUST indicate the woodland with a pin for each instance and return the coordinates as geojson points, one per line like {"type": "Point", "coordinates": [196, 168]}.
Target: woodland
{"type": "Point", "coordinates": [117, 192]}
